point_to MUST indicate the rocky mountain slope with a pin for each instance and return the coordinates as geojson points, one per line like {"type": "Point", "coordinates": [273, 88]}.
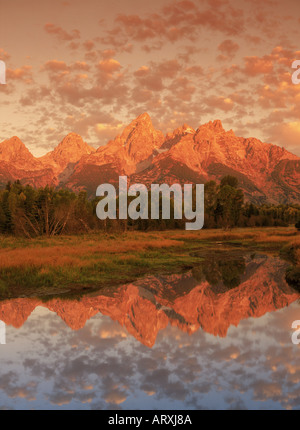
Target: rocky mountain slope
{"type": "Point", "coordinates": [266, 172]}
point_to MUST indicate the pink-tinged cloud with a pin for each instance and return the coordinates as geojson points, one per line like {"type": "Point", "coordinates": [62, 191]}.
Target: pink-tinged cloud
{"type": "Point", "coordinates": [88, 45]}
{"type": "Point", "coordinates": [60, 33]}
{"type": "Point", "coordinates": [23, 73]}
{"type": "Point", "coordinates": [141, 95]}
{"type": "Point", "coordinates": [178, 20]}
{"type": "Point", "coordinates": [81, 65]}
{"type": "Point", "coordinates": [55, 66]}
{"type": "Point", "coordinates": [258, 65]}
{"type": "Point", "coordinates": [4, 56]}
{"type": "Point", "coordinates": [34, 95]}
{"type": "Point", "coordinates": [142, 72]}
{"type": "Point", "coordinates": [162, 57]}
{"type": "Point", "coordinates": [213, 103]}
{"type": "Point", "coordinates": [228, 48]}
{"type": "Point", "coordinates": [152, 78]}
{"type": "Point", "coordinates": [108, 54]}
{"type": "Point", "coordinates": [168, 69]}
{"type": "Point", "coordinates": [74, 45]}
{"type": "Point", "coordinates": [194, 70]}
{"type": "Point", "coordinates": [148, 79]}
{"type": "Point", "coordinates": [115, 397]}
{"type": "Point", "coordinates": [109, 66]}
{"type": "Point", "coordinates": [286, 134]}
{"type": "Point", "coordinates": [182, 88]}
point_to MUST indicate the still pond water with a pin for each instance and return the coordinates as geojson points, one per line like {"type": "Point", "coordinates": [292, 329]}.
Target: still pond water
{"type": "Point", "coordinates": [215, 337]}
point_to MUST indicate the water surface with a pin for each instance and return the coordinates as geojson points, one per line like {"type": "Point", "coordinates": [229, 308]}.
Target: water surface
{"type": "Point", "coordinates": [216, 337]}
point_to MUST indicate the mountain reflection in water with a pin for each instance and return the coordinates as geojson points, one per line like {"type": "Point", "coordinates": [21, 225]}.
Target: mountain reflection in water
{"type": "Point", "coordinates": [170, 341]}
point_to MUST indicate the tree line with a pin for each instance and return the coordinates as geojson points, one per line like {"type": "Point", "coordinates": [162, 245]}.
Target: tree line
{"type": "Point", "coordinates": [30, 212]}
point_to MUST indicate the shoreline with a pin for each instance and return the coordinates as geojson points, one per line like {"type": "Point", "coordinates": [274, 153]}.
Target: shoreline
{"type": "Point", "coordinates": [78, 264]}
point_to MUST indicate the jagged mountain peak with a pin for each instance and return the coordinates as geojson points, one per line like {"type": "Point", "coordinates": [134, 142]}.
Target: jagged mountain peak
{"type": "Point", "coordinates": [211, 130]}
{"type": "Point", "coordinates": [73, 141]}
{"type": "Point", "coordinates": [266, 172]}
{"type": "Point", "coordinates": [184, 129]}
{"type": "Point", "coordinates": [68, 151]}
{"type": "Point", "coordinates": [145, 117]}
{"type": "Point", "coordinates": [172, 138]}
{"type": "Point", "coordinates": [140, 138]}
{"type": "Point", "coordinates": [142, 123]}
{"type": "Point", "coordinates": [13, 144]}
{"type": "Point", "coordinates": [14, 151]}
{"type": "Point", "coordinates": [215, 126]}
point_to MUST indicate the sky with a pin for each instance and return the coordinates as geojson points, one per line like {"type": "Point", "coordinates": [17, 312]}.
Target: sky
{"type": "Point", "coordinates": [92, 66]}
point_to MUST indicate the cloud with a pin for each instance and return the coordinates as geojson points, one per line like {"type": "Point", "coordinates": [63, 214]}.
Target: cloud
{"type": "Point", "coordinates": [88, 45]}
{"type": "Point", "coordinates": [81, 65]}
{"type": "Point", "coordinates": [152, 77]}
{"type": "Point", "coordinates": [115, 397]}
{"type": "Point", "coordinates": [108, 131]}
{"type": "Point", "coordinates": [4, 56]}
{"type": "Point", "coordinates": [60, 33]}
{"type": "Point", "coordinates": [264, 390]}
{"type": "Point", "coordinates": [23, 73]}
{"type": "Point", "coordinates": [105, 82]}
{"type": "Point", "coordinates": [108, 53]}
{"type": "Point", "coordinates": [160, 60]}
{"type": "Point", "coordinates": [55, 66]}
{"type": "Point", "coordinates": [176, 21]}
{"type": "Point", "coordinates": [258, 65]}
{"type": "Point", "coordinates": [109, 66]}
{"type": "Point", "coordinates": [149, 80]}
{"type": "Point", "coordinates": [182, 88]}
{"type": "Point", "coordinates": [286, 134]}
{"type": "Point", "coordinates": [228, 48]}
{"type": "Point", "coordinates": [168, 68]}
{"type": "Point", "coordinates": [35, 95]}
{"type": "Point", "coordinates": [195, 70]}
{"type": "Point", "coordinates": [222, 103]}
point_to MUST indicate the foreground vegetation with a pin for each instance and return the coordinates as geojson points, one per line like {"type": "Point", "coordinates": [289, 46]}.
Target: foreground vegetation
{"type": "Point", "coordinates": [51, 241]}
{"type": "Point", "coordinates": [51, 265]}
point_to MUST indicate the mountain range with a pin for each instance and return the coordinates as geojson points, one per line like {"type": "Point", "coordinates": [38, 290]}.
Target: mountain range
{"type": "Point", "coordinates": [266, 172]}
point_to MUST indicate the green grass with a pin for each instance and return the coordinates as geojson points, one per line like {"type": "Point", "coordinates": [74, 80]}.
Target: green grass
{"type": "Point", "coordinates": [95, 260]}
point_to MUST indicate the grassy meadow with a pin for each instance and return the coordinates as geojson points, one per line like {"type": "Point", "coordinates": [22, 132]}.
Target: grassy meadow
{"type": "Point", "coordinates": [79, 263]}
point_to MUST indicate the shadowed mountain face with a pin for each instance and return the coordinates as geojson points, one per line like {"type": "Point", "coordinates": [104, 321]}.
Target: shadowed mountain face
{"type": "Point", "coordinates": [266, 172]}
{"type": "Point", "coordinates": [220, 292]}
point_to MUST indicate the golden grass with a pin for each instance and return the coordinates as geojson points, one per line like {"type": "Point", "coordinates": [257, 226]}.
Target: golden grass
{"type": "Point", "coordinates": [54, 257]}
{"type": "Point", "coordinates": [265, 234]}
{"type": "Point", "coordinates": [103, 259]}
{"type": "Point", "coordinates": [83, 251]}
{"type": "Point", "coordinates": [134, 245]}
{"type": "Point", "coordinates": [268, 235]}
{"type": "Point", "coordinates": [264, 237]}
{"type": "Point", "coordinates": [79, 255]}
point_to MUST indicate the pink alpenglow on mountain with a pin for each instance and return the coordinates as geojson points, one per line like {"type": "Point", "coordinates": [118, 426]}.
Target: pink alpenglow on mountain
{"type": "Point", "coordinates": [266, 172]}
